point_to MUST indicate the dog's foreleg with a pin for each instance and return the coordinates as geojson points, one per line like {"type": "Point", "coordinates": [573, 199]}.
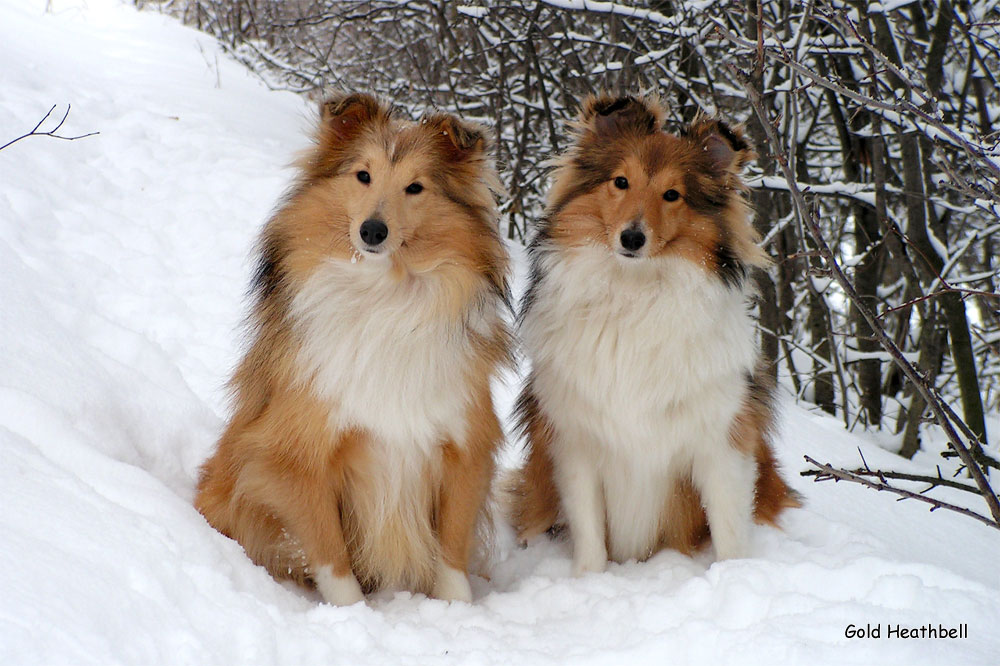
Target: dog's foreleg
{"type": "Point", "coordinates": [317, 524]}
{"type": "Point", "coordinates": [466, 474]}
{"type": "Point", "coordinates": [305, 501]}
{"type": "Point", "coordinates": [583, 505]}
{"type": "Point", "coordinates": [725, 477]}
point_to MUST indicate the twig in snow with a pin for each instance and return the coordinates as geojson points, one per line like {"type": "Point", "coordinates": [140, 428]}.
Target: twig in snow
{"type": "Point", "coordinates": [52, 132]}
{"type": "Point", "coordinates": [826, 472]}
{"type": "Point", "coordinates": [931, 481]}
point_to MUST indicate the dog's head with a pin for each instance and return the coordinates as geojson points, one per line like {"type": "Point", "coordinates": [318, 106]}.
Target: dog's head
{"type": "Point", "coordinates": [415, 195]}
{"type": "Point", "coordinates": [643, 193]}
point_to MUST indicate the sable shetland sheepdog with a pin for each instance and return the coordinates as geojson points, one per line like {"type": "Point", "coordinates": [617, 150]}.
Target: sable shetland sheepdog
{"type": "Point", "coordinates": [647, 422]}
{"type": "Point", "coordinates": [361, 448]}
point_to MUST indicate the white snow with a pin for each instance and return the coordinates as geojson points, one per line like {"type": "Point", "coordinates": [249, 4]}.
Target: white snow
{"type": "Point", "coordinates": [124, 259]}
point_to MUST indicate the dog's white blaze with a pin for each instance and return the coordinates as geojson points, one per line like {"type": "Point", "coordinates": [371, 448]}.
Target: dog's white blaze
{"type": "Point", "coordinates": [337, 590]}
{"type": "Point", "coordinates": [640, 366]}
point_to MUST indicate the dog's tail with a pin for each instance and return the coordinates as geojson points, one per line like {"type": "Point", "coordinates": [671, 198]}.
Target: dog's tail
{"type": "Point", "coordinates": [773, 494]}
{"type": "Point", "coordinates": [529, 494]}
{"type": "Point", "coordinates": [754, 430]}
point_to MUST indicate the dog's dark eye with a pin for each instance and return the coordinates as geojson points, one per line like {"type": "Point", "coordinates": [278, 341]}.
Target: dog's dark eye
{"type": "Point", "coordinates": [364, 177]}
{"type": "Point", "coordinates": [621, 182]}
{"type": "Point", "coordinates": [414, 188]}
{"type": "Point", "coordinates": [671, 195]}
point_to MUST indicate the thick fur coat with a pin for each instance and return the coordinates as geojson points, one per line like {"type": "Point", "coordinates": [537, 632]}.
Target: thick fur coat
{"type": "Point", "coordinates": [647, 420]}
{"type": "Point", "coordinates": [361, 447]}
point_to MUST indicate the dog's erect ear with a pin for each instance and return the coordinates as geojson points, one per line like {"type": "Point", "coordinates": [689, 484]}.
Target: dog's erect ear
{"type": "Point", "coordinates": [607, 115]}
{"type": "Point", "coordinates": [726, 146]}
{"type": "Point", "coordinates": [458, 140]}
{"type": "Point", "coordinates": [344, 115]}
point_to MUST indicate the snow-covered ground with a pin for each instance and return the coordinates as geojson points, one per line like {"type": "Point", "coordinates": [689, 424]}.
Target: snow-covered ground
{"type": "Point", "coordinates": [124, 259]}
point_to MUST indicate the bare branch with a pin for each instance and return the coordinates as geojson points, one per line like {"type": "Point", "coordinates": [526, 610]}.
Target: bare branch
{"type": "Point", "coordinates": [827, 472]}
{"type": "Point", "coordinates": [52, 132]}
{"type": "Point", "coordinates": [943, 414]}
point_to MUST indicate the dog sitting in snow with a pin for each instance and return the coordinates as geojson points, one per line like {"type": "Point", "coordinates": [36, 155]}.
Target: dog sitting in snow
{"type": "Point", "coordinates": [361, 448]}
{"type": "Point", "coordinates": [646, 417]}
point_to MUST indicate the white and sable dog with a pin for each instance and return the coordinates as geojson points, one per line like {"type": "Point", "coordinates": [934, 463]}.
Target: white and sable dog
{"type": "Point", "coordinates": [646, 418]}
{"type": "Point", "coordinates": [361, 448]}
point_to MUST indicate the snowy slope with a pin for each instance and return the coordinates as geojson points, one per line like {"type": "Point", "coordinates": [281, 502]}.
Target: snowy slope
{"type": "Point", "coordinates": [124, 262]}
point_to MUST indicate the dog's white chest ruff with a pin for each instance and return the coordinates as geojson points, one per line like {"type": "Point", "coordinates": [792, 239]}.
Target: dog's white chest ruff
{"type": "Point", "coordinates": [639, 355]}
{"type": "Point", "coordinates": [381, 355]}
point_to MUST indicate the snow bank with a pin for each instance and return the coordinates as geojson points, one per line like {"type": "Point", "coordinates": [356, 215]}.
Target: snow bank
{"type": "Point", "coordinates": [124, 263]}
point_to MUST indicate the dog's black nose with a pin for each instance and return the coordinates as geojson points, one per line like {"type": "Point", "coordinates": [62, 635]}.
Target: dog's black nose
{"type": "Point", "coordinates": [633, 239]}
{"type": "Point", "coordinates": [374, 231]}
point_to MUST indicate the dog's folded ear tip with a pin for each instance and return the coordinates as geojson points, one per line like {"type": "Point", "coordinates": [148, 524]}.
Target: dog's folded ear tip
{"type": "Point", "coordinates": [726, 144]}
{"type": "Point", "coordinates": [343, 114]}
{"type": "Point", "coordinates": [361, 104]}
{"type": "Point", "coordinates": [606, 113]}
{"type": "Point", "coordinates": [460, 137]}
{"type": "Point", "coordinates": [606, 107]}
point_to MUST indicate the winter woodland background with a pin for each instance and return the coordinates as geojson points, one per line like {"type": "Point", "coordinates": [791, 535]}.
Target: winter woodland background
{"type": "Point", "coordinates": [125, 253]}
{"type": "Point", "coordinates": [885, 117]}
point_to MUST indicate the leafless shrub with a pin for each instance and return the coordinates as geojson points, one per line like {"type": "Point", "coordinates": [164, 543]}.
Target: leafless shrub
{"type": "Point", "coordinates": [875, 122]}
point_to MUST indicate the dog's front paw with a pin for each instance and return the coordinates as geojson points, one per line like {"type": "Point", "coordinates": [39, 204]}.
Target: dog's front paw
{"type": "Point", "coordinates": [732, 544]}
{"type": "Point", "coordinates": [734, 551]}
{"type": "Point", "coordinates": [590, 560]}
{"type": "Point", "coordinates": [337, 590]}
{"type": "Point", "coordinates": [451, 584]}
